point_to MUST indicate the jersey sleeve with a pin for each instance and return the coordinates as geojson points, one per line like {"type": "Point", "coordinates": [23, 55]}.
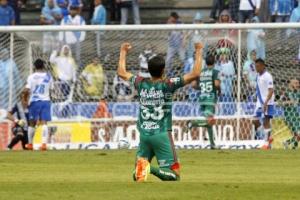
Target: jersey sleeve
{"type": "Point", "coordinates": [135, 81]}
{"type": "Point", "coordinates": [175, 83]}
{"type": "Point", "coordinates": [216, 75]}
{"type": "Point", "coordinates": [270, 83]}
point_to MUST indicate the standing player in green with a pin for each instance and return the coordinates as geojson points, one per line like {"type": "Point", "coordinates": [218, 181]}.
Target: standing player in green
{"type": "Point", "coordinates": [291, 101]}
{"type": "Point", "coordinates": [155, 115]}
{"type": "Point", "coordinates": [209, 84]}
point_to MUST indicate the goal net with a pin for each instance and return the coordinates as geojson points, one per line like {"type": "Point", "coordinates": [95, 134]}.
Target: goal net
{"type": "Point", "coordinates": [93, 108]}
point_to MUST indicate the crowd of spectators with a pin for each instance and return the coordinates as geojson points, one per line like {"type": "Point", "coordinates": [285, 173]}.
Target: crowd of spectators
{"type": "Point", "coordinates": [239, 10]}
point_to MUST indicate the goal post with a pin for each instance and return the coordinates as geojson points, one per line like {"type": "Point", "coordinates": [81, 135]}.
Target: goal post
{"type": "Point", "coordinates": [93, 108]}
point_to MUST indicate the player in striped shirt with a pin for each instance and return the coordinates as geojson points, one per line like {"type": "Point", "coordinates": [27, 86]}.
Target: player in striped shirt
{"type": "Point", "coordinates": [265, 101]}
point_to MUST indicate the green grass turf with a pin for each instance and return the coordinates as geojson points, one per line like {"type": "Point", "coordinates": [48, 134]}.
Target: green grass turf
{"type": "Point", "coordinates": [105, 175]}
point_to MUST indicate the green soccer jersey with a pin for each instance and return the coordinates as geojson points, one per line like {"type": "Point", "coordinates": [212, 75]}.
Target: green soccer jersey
{"type": "Point", "coordinates": [206, 84]}
{"type": "Point", "coordinates": [155, 98]}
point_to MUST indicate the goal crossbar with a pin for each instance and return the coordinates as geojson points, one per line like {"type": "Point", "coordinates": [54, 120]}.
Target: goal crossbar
{"type": "Point", "coordinates": [10, 29]}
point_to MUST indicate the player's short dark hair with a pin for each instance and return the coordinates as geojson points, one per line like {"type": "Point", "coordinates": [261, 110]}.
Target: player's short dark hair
{"type": "Point", "coordinates": [210, 60]}
{"type": "Point", "coordinates": [39, 64]}
{"type": "Point", "coordinates": [156, 66]}
{"type": "Point", "coordinates": [261, 61]}
{"type": "Point", "coordinates": [175, 15]}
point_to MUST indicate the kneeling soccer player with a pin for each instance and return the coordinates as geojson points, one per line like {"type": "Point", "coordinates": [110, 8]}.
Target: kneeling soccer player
{"type": "Point", "coordinates": [155, 115]}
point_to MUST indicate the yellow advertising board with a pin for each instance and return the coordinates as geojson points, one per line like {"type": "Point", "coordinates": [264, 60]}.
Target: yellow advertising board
{"type": "Point", "coordinates": [66, 132]}
{"type": "Point", "coordinates": [280, 133]}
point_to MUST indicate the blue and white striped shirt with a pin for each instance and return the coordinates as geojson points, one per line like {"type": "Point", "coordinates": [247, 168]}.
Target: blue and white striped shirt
{"type": "Point", "coordinates": [281, 7]}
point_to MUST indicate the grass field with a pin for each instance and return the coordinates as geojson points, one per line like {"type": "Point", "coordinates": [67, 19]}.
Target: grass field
{"type": "Point", "coordinates": [105, 175]}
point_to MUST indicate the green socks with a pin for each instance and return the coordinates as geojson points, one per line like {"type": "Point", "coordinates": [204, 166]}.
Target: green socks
{"type": "Point", "coordinates": [210, 135]}
{"type": "Point", "coordinates": [199, 123]}
{"type": "Point", "coordinates": [164, 174]}
{"type": "Point", "coordinates": [203, 123]}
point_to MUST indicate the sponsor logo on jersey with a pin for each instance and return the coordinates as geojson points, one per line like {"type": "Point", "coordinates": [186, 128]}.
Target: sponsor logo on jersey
{"type": "Point", "coordinates": [152, 93]}
{"type": "Point", "coordinates": [148, 125]}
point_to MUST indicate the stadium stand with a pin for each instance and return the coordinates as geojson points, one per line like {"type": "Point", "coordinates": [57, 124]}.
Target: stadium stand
{"type": "Point", "coordinates": [151, 11]}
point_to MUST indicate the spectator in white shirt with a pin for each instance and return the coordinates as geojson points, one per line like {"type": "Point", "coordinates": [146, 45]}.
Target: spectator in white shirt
{"type": "Point", "coordinates": [64, 68]}
{"type": "Point", "coordinates": [74, 38]}
{"type": "Point", "coordinates": [248, 9]}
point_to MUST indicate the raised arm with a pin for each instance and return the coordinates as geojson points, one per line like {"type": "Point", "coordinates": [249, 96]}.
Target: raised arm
{"type": "Point", "coordinates": [122, 72]}
{"type": "Point", "coordinates": [194, 74]}
{"type": "Point", "coordinates": [53, 57]}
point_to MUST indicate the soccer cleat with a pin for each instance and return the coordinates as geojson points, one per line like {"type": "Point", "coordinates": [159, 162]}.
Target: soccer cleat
{"type": "Point", "coordinates": [29, 147]}
{"type": "Point", "coordinates": [266, 146]}
{"type": "Point", "coordinates": [142, 170]}
{"type": "Point", "coordinates": [215, 147]}
{"type": "Point", "coordinates": [43, 147]}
